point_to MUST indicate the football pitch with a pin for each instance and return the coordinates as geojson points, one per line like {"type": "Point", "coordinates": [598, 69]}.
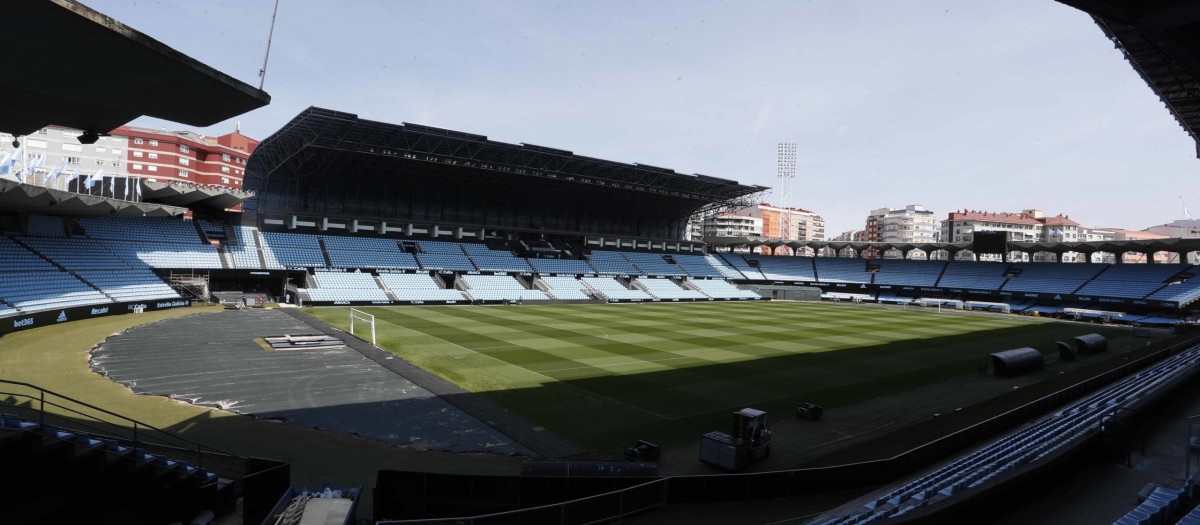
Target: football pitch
{"type": "Point", "coordinates": [604, 375]}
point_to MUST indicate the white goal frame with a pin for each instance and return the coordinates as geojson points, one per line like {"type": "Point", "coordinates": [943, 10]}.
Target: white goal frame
{"type": "Point", "coordinates": [364, 317]}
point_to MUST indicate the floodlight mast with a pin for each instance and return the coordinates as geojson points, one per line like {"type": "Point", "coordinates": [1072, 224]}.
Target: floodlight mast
{"type": "Point", "coordinates": [786, 162]}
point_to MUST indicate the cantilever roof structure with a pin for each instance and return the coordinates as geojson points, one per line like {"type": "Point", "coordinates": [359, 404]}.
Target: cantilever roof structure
{"type": "Point", "coordinates": [193, 195]}
{"type": "Point", "coordinates": [1173, 245]}
{"type": "Point", "coordinates": [137, 75]}
{"type": "Point", "coordinates": [20, 197]}
{"type": "Point", "coordinates": [317, 128]}
{"type": "Point", "coordinates": [335, 164]}
{"type": "Point", "coordinates": [1161, 40]}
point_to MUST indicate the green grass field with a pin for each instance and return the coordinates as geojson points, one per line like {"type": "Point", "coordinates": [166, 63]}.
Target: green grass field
{"type": "Point", "coordinates": [604, 375]}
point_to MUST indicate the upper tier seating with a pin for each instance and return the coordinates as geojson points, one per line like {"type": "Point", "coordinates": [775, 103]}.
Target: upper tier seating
{"type": "Point", "coordinates": [166, 254]}
{"type": "Point", "coordinates": [445, 261]}
{"type": "Point", "coordinates": [653, 264]}
{"type": "Point", "coordinates": [498, 261]}
{"type": "Point", "coordinates": [740, 262]}
{"type": "Point", "coordinates": [245, 252]}
{"type": "Point", "coordinates": [17, 258]}
{"type": "Point", "coordinates": [611, 263]}
{"type": "Point", "coordinates": [154, 229]}
{"type": "Point", "coordinates": [566, 288]}
{"type": "Point", "coordinates": [728, 271]}
{"type": "Point", "coordinates": [663, 288]}
{"type": "Point", "coordinates": [1151, 273]}
{"type": "Point", "coordinates": [572, 266]}
{"type": "Point", "coordinates": [612, 289]}
{"type": "Point", "coordinates": [973, 275]}
{"type": "Point", "coordinates": [418, 287]}
{"type": "Point", "coordinates": [903, 272]}
{"type": "Point", "coordinates": [500, 288]}
{"type": "Point", "coordinates": [80, 254]}
{"type": "Point", "coordinates": [721, 289]}
{"type": "Point", "coordinates": [842, 270]}
{"type": "Point", "coordinates": [785, 267]}
{"type": "Point", "coordinates": [441, 247]}
{"type": "Point", "coordinates": [697, 265]}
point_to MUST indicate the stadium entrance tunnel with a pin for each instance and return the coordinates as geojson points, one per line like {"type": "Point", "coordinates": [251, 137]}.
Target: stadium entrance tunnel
{"type": "Point", "coordinates": [1011, 363]}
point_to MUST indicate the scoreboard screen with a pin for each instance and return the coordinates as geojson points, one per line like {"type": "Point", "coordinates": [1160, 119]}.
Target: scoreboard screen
{"type": "Point", "coordinates": [991, 242]}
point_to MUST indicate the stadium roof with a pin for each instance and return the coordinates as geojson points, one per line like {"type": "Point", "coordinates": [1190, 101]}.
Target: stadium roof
{"type": "Point", "coordinates": [1139, 246]}
{"type": "Point", "coordinates": [20, 197]}
{"type": "Point", "coordinates": [193, 195]}
{"type": "Point", "coordinates": [1161, 40]}
{"type": "Point", "coordinates": [137, 75]}
{"type": "Point", "coordinates": [323, 128]}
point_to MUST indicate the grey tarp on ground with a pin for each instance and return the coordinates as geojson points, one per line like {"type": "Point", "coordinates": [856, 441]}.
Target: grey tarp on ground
{"type": "Point", "coordinates": [212, 360]}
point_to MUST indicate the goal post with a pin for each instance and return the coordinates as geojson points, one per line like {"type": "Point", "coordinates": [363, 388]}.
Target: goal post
{"type": "Point", "coordinates": [362, 317]}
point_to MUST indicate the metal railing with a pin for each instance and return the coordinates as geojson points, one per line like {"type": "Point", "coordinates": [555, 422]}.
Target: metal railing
{"type": "Point", "coordinates": [578, 510]}
{"type": "Point", "coordinates": [33, 403]}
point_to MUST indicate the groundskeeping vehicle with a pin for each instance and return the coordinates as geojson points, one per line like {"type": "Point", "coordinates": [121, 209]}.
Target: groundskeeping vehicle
{"type": "Point", "coordinates": [749, 441]}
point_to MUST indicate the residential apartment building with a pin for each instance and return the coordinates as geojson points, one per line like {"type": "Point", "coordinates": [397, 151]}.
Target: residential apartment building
{"type": "Point", "coordinates": [731, 225]}
{"type": "Point", "coordinates": [59, 145]}
{"type": "Point", "coordinates": [910, 224]}
{"type": "Point", "coordinates": [1030, 225]}
{"type": "Point", "coordinates": [805, 225]}
{"type": "Point", "coordinates": [153, 155]}
{"type": "Point", "coordinates": [184, 156]}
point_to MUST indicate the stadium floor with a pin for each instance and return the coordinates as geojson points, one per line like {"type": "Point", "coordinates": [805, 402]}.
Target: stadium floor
{"type": "Point", "coordinates": [606, 375]}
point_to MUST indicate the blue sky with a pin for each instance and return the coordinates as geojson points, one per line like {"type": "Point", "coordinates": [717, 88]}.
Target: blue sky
{"type": "Point", "coordinates": [994, 106]}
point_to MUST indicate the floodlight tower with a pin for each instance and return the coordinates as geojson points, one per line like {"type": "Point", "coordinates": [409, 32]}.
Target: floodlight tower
{"type": "Point", "coordinates": [787, 172]}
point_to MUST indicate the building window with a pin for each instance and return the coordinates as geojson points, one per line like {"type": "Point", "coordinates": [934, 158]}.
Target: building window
{"type": "Point", "coordinates": [153, 142]}
{"type": "Point", "coordinates": [116, 151]}
{"type": "Point", "coordinates": [151, 168]}
{"type": "Point", "coordinates": [72, 160]}
{"type": "Point", "coordinates": [225, 157]}
{"type": "Point", "coordinates": [101, 150]}
{"type": "Point", "coordinates": [225, 180]}
{"type": "Point", "coordinates": [183, 173]}
{"type": "Point", "coordinates": [183, 161]}
{"type": "Point", "coordinates": [42, 131]}
{"type": "Point", "coordinates": [224, 169]}
{"type": "Point", "coordinates": [153, 155]}
{"type": "Point", "coordinates": [137, 140]}
{"type": "Point", "coordinates": [137, 154]}
{"type": "Point", "coordinates": [116, 163]}
{"type": "Point", "coordinates": [137, 166]}
{"type": "Point", "coordinates": [183, 149]}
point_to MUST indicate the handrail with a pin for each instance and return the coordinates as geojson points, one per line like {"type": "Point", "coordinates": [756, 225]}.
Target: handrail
{"type": "Point", "coordinates": [531, 509]}
{"type": "Point", "coordinates": [136, 425]}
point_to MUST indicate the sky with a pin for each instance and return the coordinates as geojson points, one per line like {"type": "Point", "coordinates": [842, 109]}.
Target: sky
{"type": "Point", "coordinates": [990, 106]}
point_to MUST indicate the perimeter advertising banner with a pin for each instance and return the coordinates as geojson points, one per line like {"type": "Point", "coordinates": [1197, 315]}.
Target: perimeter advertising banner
{"type": "Point", "coordinates": [76, 313]}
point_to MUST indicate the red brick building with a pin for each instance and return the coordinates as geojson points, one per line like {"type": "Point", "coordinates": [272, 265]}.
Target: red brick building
{"type": "Point", "coordinates": [184, 156]}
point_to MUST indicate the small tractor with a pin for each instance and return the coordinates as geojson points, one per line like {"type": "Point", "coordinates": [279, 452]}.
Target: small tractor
{"type": "Point", "coordinates": [809, 411]}
{"type": "Point", "coordinates": [749, 441]}
{"type": "Point", "coordinates": [643, 451]}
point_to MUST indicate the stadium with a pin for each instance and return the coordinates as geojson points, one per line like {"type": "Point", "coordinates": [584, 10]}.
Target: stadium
{"type": "Point", "coordinates": [438, 327]}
